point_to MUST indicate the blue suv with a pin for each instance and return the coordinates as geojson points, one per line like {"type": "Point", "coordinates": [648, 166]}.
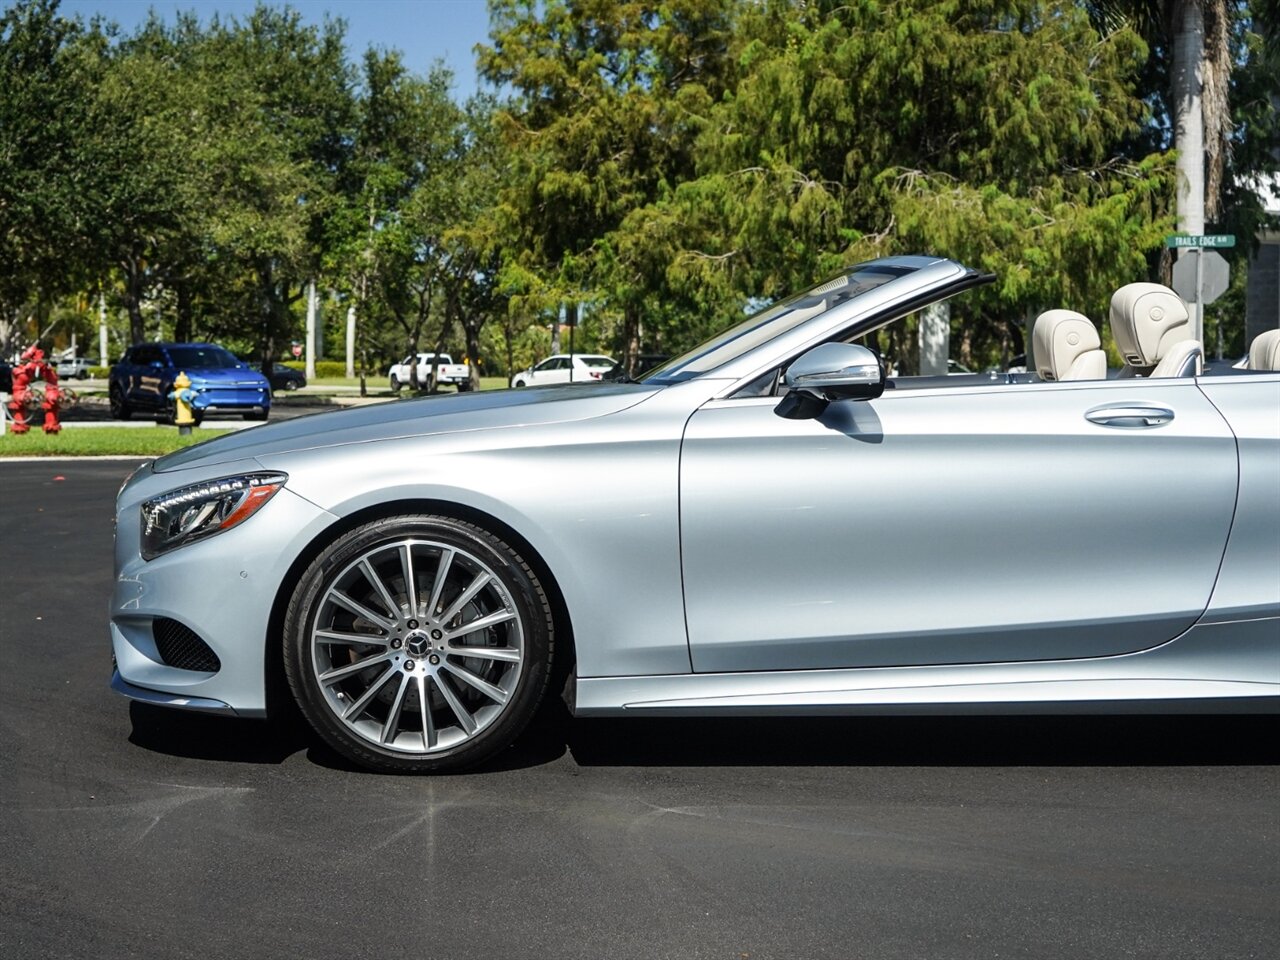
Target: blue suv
{"type": "Point", "coordinates": [143, 379]}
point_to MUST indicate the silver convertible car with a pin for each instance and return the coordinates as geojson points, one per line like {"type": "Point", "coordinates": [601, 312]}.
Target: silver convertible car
{"type": "Point", "coordinates": [765, 525]}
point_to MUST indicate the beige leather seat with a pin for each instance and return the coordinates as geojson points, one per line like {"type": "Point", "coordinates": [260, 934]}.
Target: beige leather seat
{"type": "Point", "coordinates": [1265, 352]}
{"type": "Point", "coordinates": [1153, 331]}
{"type": "Point", "coordinates": [1066, 346]}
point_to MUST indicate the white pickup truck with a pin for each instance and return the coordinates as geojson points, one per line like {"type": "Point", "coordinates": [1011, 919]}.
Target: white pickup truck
{"type": "Point", "coordinates": [440, 366]}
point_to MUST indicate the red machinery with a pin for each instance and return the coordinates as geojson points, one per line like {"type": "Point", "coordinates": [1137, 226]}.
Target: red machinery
{"type": "Point", "coordinates": [33, 366]}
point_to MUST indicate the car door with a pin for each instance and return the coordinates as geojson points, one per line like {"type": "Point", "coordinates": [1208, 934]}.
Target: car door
{"type": "Point", "coordinates": [146, 377]}
{"type": "Point", "coordinates": [552, 370]}
{"type": "Point", "coordinates": [953, 525]}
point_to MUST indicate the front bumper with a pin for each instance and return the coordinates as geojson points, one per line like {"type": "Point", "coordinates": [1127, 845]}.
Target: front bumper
{"type": "Point", "coordinates": [223, 589]}
{"type": "Point", "coordinates": [247, 399]}
{"type": "Point", "coordinates": [154, 697]}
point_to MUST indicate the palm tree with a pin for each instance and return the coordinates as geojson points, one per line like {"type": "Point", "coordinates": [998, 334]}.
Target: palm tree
{"type": "Point", "coordinates": [1197, 35]}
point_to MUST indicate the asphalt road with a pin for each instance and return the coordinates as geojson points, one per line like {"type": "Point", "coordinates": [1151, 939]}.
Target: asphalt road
{"type": "Point", "coordinates": [134, 832]}
{"type": "Point", "coordinates": [284, 406]}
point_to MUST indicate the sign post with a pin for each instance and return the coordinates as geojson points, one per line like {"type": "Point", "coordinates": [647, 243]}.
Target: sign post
{"type": "Point", "coordinates": [1209, 268]}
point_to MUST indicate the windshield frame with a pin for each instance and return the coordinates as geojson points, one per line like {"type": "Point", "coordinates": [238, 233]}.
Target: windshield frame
{"type": "Point", "coordinates": [783, 317]}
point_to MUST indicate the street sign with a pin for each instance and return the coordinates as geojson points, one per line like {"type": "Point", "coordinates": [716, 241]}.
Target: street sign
{"type": "Point", "coordinates": [1214, 282]}
{"type": "Point", "coordinates": [1207, 240]}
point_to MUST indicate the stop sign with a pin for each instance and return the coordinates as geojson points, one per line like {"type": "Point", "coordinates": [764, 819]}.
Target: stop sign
{"type": "Point", "coordinates": [1216, 276]}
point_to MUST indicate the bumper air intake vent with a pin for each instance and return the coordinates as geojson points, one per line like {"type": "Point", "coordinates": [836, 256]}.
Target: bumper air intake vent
{"type": "Point", "coordinates": [179, 647]}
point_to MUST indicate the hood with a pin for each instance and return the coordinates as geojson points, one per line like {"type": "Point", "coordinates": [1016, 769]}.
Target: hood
{"type": "Point", "coordinates": [419, 416]}
{"type": "Point", "coordinates": [225, 376]}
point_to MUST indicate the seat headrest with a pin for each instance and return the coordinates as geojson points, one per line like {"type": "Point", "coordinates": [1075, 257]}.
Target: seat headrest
{"type": "Point", "coordinates": [1062, 341]}
{"type": "Point", "coordinates": [1147, 319]}
{"type": "Point", "coordinates": [1265, 352]}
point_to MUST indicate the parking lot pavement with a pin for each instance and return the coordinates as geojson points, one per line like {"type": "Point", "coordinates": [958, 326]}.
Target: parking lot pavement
{"type": "Point", "coordinates": [134, 832]}
{"type": "Point", "coordinates": [94, 411]}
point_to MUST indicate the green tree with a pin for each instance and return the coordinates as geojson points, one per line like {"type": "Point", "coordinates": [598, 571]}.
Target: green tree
{"type": "Point", "coordinates": [386, 232]}
{"type": "Point", "coordinates": [275, 134]}
{"type": "Point", "coordinates": [48, 66]}
{"type": "Point", "coordinates": [984, 131]}
{"type": "Point", "coordinates": [134, 150]}
{"type": "Point", "coordinates": [608, 99]}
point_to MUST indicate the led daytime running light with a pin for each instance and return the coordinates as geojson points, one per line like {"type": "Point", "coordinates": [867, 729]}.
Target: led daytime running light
{"type": "Point", "coordinates": [202, 510]}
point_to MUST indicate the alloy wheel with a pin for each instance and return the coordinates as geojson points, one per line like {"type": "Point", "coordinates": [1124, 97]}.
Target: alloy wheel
{"type": "Point", "coordinates": [417, 646]}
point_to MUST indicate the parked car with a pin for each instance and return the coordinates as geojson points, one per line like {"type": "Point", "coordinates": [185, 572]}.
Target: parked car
{"type": "Point", "coordinates": [286, 378]}
{"type": "Point", "coordinates": [73, 367]}
{"type": "Point", "coordinates": [563, 368]}
{"type": "Point", "coordinates": [760, 526]}
{"type": "Point", "coordinates": [433, 369]}
{"type": "Point", "coordinates": [143, 379]}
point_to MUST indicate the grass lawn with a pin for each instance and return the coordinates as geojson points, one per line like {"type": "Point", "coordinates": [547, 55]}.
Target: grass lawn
{"type": "Point", "coordinates": [101, 441]}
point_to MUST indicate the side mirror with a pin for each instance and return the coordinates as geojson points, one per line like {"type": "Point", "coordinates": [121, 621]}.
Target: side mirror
{"type": "Point", "coordinates": [832, 371]}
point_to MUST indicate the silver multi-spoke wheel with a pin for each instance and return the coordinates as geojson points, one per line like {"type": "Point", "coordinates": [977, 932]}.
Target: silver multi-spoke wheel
{"type": "Point", "coordinates": [412, 641]}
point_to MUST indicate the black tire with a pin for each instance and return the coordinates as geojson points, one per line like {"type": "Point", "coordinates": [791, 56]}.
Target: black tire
{"type": "Point", "coordinates": [518, 384]}
{"type": "Point", "coordinates": [396, 385]}
{"type": "Point", "coordinates": [290, 385]}
{"type": "Point", "coordinates": [120, 409]}
{"type": "Point", "coordinates": [464, 386]}
{"type": "Point", "coordinates": [256, 415]}
{"type": "Point", "coordinates": [388, 697]}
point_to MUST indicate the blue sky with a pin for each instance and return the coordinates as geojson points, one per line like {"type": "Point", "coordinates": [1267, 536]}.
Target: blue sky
{"type": "Point", "coordinates": [423, 30]}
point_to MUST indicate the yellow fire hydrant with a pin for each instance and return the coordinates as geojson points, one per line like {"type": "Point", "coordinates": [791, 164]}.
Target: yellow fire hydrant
{"type": "Point", "coordinates": [183, 397]}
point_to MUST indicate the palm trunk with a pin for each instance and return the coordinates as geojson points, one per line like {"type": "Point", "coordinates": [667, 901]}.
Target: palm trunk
{"type": "Point", "coordinates": [1186, 79]}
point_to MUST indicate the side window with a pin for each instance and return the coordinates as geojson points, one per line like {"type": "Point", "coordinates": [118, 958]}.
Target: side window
{"type": "Point", "coordinates": [552, 364]}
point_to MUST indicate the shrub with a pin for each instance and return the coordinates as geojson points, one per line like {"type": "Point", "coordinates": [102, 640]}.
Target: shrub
{"type": "Point", "coordinates": [324, 368]}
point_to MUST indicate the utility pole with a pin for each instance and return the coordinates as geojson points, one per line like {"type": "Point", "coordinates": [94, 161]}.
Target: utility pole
{"type": "Point", "coordinates": [102, 329]}
{"type": "Point", "coordinates": [1188, 87]}
{"type": "Point", "coordinates": [351, 341]}
{"type": "Point", "coordinates": [310, 345]}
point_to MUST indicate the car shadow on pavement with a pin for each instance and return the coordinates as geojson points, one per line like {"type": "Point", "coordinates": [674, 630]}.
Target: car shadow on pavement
{"type": "Point", "coordinates": [203, 737]}
{"type": "Point", "coordinates": [222, 739]}
{"type": "Point", "coordinates": [769, 742]}
{"type": "Point", "coordinates": [929, 741]}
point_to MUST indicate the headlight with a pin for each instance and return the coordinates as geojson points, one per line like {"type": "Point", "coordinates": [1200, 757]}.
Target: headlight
{"type": "Point", "coordinates": [205, 509]}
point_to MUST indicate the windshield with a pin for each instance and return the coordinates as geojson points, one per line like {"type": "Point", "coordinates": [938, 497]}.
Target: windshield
{"type": "Point", "coordinates": [202, 358]}
{"type": "Point", "coordinates": [598, 363]}
{"type": "Point", "coordinates": [774, 321]}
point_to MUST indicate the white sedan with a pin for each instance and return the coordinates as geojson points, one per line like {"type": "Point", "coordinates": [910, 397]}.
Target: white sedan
{"type": "Point", "coordinates": [565, 368]}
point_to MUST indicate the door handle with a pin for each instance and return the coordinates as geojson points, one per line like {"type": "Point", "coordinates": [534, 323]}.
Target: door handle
{"type": "Point", "coordinates": [1138, 415]}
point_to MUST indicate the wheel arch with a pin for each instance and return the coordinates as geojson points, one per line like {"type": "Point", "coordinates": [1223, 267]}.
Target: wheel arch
{"type": "Point", "coordinates": [278, 697]}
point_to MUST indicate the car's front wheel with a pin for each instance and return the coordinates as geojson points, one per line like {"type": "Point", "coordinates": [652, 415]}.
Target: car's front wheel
{"type": "Point", "coordinates": [395, 384]}
{"type": "Point", "coordinates": [120, 409]}
{"type": "Point", "coordinates": [418, 643]}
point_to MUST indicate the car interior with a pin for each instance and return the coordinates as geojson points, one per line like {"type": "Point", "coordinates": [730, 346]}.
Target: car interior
{"type": "Point", "coordinates": [1150, 323]}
